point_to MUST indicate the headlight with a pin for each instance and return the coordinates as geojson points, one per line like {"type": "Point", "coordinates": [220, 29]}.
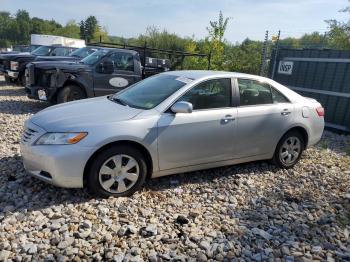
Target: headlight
{"type": "Point", "coordinates": [14, 65]}
{"type": "Point", "coordinates": [60, 138]}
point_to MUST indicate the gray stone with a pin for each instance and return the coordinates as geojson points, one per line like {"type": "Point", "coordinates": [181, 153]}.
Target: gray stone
{"type": "Point", "coordinates": [261, 233]}
{"type": "Point", "coordinates": [30, 248]}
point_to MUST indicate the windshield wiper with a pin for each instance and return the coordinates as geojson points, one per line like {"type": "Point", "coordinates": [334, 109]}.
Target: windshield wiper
{"type": "Point", "coordinates": [119, 101]}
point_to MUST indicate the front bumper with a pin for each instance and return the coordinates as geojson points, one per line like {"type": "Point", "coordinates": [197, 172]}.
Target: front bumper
{"type": "Point", "coordinates": [12, 74]}
{"type": "Point", "coordinates": [59, 165]}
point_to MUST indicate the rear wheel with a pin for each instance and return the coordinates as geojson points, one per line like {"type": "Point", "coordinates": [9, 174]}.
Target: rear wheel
{"type": "Point", "coordinates": [118, 171]}
{"type": "Point", "coordinates": [289, 150]}
{"type": "Point", "coordinates": [70, 93]}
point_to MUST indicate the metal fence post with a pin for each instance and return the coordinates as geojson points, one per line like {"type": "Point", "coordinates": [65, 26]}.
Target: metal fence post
{"type": "Point", "coordinates": [144, 58]}
{"type": "Point", "coordinates": [209, 60]}
{"type": "Point", "coordinates": [275, 56]}
{"type": "Point", "coordinates": [263, 55]}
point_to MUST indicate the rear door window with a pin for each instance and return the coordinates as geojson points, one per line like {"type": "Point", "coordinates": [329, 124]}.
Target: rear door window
{"type": "Point", "coordinates": [253, 92]}
{"type": "Point", "coordinates": [278, 97]}
{"type": "Point", "coordinates": [123, 61]}
{"type": "Point", "coordinates": [61, 51]}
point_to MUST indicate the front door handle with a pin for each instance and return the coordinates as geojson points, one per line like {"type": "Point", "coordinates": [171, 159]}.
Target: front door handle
{"type": "Point", "coordinates": [228, 118]}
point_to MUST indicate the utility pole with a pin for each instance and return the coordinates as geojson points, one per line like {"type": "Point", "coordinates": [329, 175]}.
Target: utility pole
{"type": "Point", "coordinates": [276, 54]}
{"type": "Point", "coordinates": [263, 55]}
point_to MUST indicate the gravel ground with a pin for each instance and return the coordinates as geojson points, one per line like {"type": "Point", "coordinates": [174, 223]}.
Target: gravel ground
{"type": "Point", "coordinates": [248, 212]}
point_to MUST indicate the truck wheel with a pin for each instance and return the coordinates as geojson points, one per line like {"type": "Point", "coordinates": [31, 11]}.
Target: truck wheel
{"type": "Point", "coordinates": [7, 80]}
{"type": "Point", "coordinates": [289, 150]}
{"type": "Point", "coordinates": [117, 171]}
{"type": "Point", "coordinates": [22, 80]}
{"type": "Point", "coordinates": [70, 93]}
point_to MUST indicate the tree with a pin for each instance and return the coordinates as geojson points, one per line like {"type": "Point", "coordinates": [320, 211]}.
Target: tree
{"type": "Point", "coordinates": [91, 27]}
{"type": "Point", "coordinates": [214, 43]}
{"type": "Point", "coordinates": [90, 30]}
{"type": "Point", "coordinates": [339, 32]}
{"type": "Point", "coordinates": [217, 28]}
{"type": "Point", "coordinates": [71, 29]}
{"type": "Point", "coordinates": [82, 29]}
{"type": "Point", "coordinates": [23, 26]}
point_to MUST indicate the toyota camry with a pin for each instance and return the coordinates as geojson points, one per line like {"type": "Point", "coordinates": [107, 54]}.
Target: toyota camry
{"type": "Point", "coordinates": [173, 122]}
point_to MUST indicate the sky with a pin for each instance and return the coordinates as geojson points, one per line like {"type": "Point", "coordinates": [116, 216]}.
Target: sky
{"type": "Point", "coordinates": [249, 18]}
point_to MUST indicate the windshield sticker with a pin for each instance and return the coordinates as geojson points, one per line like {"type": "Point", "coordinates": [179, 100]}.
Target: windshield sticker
{"type": "Point", "coordinates": [184, 79]}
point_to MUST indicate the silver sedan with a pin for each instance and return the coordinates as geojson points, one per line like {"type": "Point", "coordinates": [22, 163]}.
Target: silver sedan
{"type": "Point", "coordinates": [173, 122]}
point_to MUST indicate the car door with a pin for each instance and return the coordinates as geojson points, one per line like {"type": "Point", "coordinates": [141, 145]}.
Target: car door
{"type": "Point", "coordinates": [263, 115]}
{"type": "Point", "coordinates": [122, 76]}
{"type": "Point", "coordinates": [205, 135]}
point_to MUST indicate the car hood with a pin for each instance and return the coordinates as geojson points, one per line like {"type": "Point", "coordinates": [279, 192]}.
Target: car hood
{"type": "Point", "coordinates": [16, 56]}
{"type": "Point", "coordinates": [84, 113]}
{"type": "Point", "coordinates": [64, 65]}
{"type": "Point", "coordinates": [57, 58]}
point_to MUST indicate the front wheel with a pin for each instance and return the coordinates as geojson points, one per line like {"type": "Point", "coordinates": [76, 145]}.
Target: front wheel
{"type": "Point", "coordinates": [70, 93]}
{"type": "Point", "coordinates": [7, 80]}
{"type": "Point", "coordinates": [289, 150]}
{"type": "Point", "coordinates": [118, 171]}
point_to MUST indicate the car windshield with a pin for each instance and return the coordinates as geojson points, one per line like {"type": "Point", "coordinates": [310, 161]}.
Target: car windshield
{"type": "Point", "coordinates": [83, 52]}
{"type": "Point", "coordinates": [150, 92]}
{"type": "Point", "coordinates": [33, 47]}
{"type": "Point", "coordinates": [43, 50]}
{"type": "Point", "coordinates": [94, 57]}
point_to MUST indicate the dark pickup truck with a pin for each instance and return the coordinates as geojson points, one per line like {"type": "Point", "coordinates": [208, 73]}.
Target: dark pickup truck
{"type": "Point", "coordinates": [104, 72]}
{"type": "Point", "coordinates": [13, 65]}
{"type": "Point", "coordinates": [21, 49]}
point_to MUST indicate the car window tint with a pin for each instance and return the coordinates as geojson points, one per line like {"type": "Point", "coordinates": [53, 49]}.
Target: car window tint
{"type": "Point", "coordinates": [278, 97]}
{"type": "Point", "coordinates": [254, 92]}
{"type": "Point", "coordinates": [60, 51]}
{"type": "Point", "coordinates": [123, 61]}
{"type": "Point", "coordinates": [215, 93]}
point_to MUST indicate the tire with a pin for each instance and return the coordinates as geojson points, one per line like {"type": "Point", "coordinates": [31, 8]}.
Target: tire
{"type": "Point", "coordinates": [105, 179]}
{"type": "Point", "coordinates": [70, 93]}
{"type": "Point", "coordinates": [289, 150]}
{"type": "Point", "coordinates": [22, 80]}
{"type": "Point", "coordinates": [7, 80]}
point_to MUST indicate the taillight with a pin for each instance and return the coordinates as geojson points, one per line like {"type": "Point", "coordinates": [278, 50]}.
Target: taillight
{"type": "Point", "coordinates": [320, 111]}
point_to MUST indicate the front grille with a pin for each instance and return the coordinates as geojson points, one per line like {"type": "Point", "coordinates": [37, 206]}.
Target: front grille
{"type": "Point", "coordinates": [28, 134]}
{"type": "Point", "coordinates": [29, 74]}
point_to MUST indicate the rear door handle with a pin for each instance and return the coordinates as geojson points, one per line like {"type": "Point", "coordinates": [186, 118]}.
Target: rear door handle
{"type": "Point", "coordinates": [285, 112]}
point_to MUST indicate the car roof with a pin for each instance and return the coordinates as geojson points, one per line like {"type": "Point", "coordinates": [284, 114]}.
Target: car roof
{"type": "Point", "coordinates": [199, 74]}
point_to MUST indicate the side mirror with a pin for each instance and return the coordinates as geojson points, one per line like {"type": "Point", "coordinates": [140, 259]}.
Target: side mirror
{"type": "Point", "coordinates": [106, 67]}
{"type": "Point", "coordinates": [182, 107]}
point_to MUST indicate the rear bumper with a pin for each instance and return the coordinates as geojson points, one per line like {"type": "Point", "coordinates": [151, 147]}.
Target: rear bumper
{"type": "Point", "coordinates": [316, 131]}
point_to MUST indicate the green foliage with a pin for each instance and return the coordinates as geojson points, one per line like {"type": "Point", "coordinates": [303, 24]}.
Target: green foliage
{"type": "Point", "coordinates": [217, 28]}
{"type": "Point", "coordinates": [18, 28]}
{"type": "Point", "coordinates": [313, 40]}
{"type": "Point", "coordinates": [91, 31]}
{"type": "Point", "coordinates": [240, 57]}
{"type": "Point", "coordinates": [214, 43]}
